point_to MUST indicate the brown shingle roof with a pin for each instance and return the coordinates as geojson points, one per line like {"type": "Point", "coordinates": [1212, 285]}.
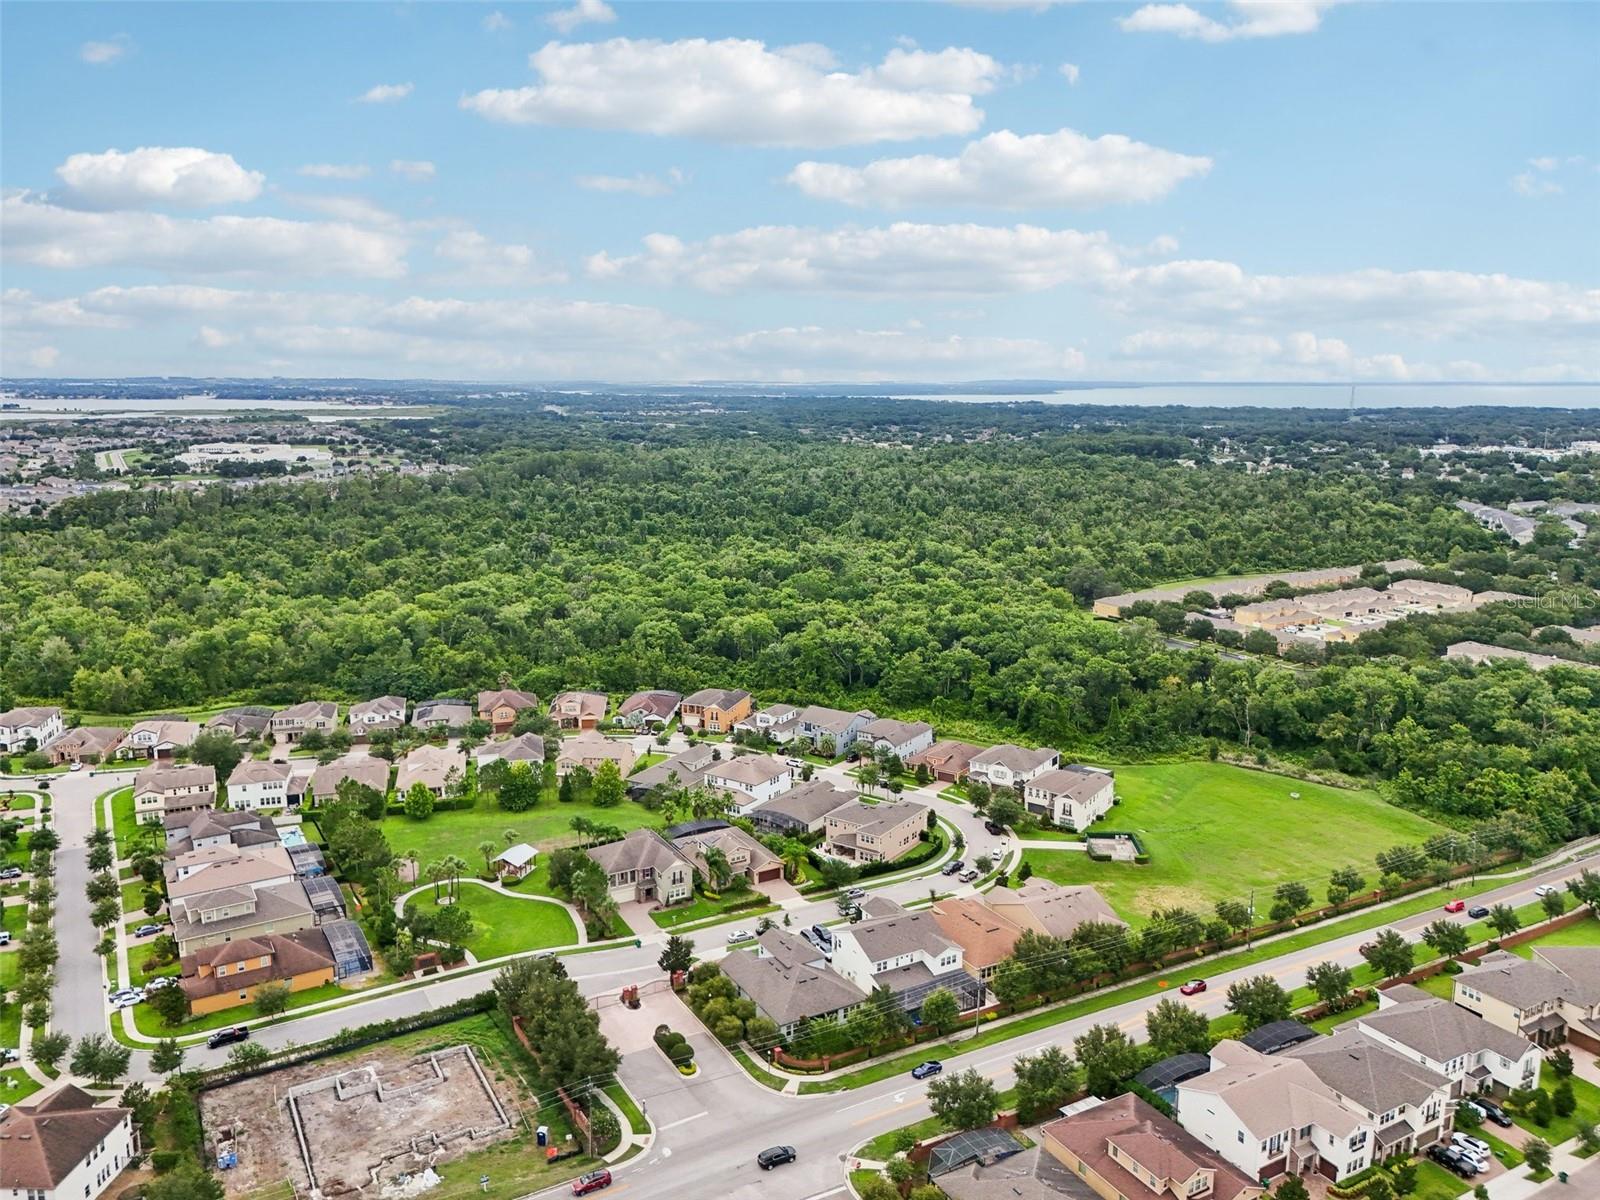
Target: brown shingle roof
{"type": "Point", "coordinates": [41, 1143]}
{"type": "Point", "coordinates": [1151, 1141]}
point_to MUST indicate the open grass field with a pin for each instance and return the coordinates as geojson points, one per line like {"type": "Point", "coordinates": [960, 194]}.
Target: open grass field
{"type": "Point", "coordinates": [1561, 1128]}
{"type": "Point", "coordinates": [504, 925]}
{"type": "Point", "coordinates": [547, 826]}
{"type": "Point", "coordinates": [11, 1017]}
{"type": "Point", "coordinates": [1215, 831]}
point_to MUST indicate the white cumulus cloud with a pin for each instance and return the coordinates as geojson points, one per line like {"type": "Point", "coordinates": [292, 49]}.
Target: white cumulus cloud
{"type": "Point", "coordinates": [496, 22]}
{"type": "Point", "coordinates": [740, 91]}
{"type": "Point", "coordinates": [334, 170]}
{"type": "Point", "coordinates": [49, 235]}
{"type": "Point", "coordinates": [584, 12]}
{"type": "Point", "coordinates": [473, 258]}
{"type": "Point", "coordinates": [899, 258]}
{"type": "Point", "coordinates": [102, 53]}
{"type": "Point", "coordinates": [1009, 170]}
{"type": "Point", "coordinates": [385, 93]}
{"type": "Point", "coordinates": [416, 170]}
{"type": "Point", "coordinates": [1246, 19]}
{"type": "Point", "coordinates": [1070, 72]}
{"type": "Point", "coordinates": [182, 175]}
{"type": "Point", "coordinates": [638, 185]}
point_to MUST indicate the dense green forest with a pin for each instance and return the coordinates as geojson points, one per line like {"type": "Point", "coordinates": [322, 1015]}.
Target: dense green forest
{"type": "Point", "coordinates": [922, 559]}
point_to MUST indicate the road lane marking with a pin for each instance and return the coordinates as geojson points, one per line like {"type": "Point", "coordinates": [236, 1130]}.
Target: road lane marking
{"type": "Point", "coordinates": [884, 1112]}
{"type": "Point", "coordinates": [680, 1121]}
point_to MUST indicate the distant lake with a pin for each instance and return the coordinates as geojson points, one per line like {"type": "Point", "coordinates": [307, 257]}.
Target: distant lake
{"type": "Point", "coordinates": [1298, 395]}
{"type": "Point", "coordinates": [192, 406]}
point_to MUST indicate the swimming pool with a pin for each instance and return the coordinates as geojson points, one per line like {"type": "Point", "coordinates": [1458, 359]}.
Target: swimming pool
{"type": "Point", "coordinates": [292, 837]}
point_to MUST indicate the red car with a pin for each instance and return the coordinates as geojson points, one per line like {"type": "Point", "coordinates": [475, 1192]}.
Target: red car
{"type": "Point", "coordinates": [1194, 987]}
{"type": "Point", "coordinates": [1456, 906]}
{"type": "Point", "coordinates": [592, 1182]}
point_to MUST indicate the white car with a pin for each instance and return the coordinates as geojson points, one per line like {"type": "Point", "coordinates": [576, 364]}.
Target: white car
{"type": "Point", "coordinates": [127, 998]}
{"type": "Point", "coordinates": [160, 981]}
{"type": "Point", "coordinates": [1544, 889]}
{"type": "Point", "coordinates": [1476, 1147]}
{"type": "Point", "coordinates": [10, 1054]}
{"type": "Point", "coordinates": [740, 935]}
{"type": "Point", "coordinates": [75, 767]}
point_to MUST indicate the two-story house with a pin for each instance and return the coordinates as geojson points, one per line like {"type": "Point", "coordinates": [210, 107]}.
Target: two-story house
{"type": "Point", "coordinates": [579, 710]}
{"type": "Point", "coordinates": [259, 783]}
{"type": "Point", "coordinates": [441, 714]}
{"type": "Point", "coordinates": [502, 707]}
{"type": "Point", "coordinates": [902, 739]}
{"type": "Point", "coordinates": [64, 1146]}
{"type": "Point", "coordinates": [158, 738]}
{"type": "Point", "coordinates": [790, 982]}
{"type": "Point", "coordinates": [1272, 1115]}
{"type": "Point", "coordinates": [246, 722]}
{"type": "Point", "coordinates": [1474, 1054]}
{"type": "Point", "coordinates": [744, 855]}
{"type": "Point", "coordinates": [863, 832]}
{"type": "Point", "coordinates": [715, 710]}
{"type": "Point", "coordinates": [1125, 1150]}
{"type": "Point", "coordinates": [645, 867]}
{"type": "Point", "coordinates": [85, 744]}
{"type": "Point", "coordinates": [160, 791]}
{"type": "Point", "coordinates": [907, 953]}
{"type": "Point", "coordinates": [819, 724]}
{"type": "Point", "coordinates": [357, 768]}
{"type": "Point", "coordinates": [24, 729]}
{"type": "Point", "coordinates": [686, 769]}
{"type": "Point", "coordinates": [227, 975]}
{"type": "Point", "coordinates": [778, 722]}
{"type": "Point", "coordinates": [293, 723]}
{"type": "Point", "coordinates": [802, 809]}
{"type": "Point", "coordinates": [384, 712]}
{"type": "Point", "coordinates": [1406, 1102]}
{"type": "Point", "coordinates": [947, 762]}
{"type": "Point", "coordinates": [1549, 999]}
{"type": "Point", "coordinates": [221, 894]}
{"type": "Point", "coordinates": [1073, 797]}
{"type": "Point", "coordinates": [1011, 766]}
{"type": "Point", "coordinates": [649, 710]}
{"type": "Point", "coordinates": [750, 779]}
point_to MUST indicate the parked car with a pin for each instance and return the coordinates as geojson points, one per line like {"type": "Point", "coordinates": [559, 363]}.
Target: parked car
{"type": "Point", "coordinates": [147, 930]}
{"type": "Point", "coordinates": [739, 935]}
{"type": "Point", "coordinates": [160, 981]}
{"type": "Point", "coordinates": [1492, 1111]}
{"type": "Point", "coordinates": [592, 1182]}
{"type": "Point", "coordinates": [1456, 906]}
{"type": "Point", "coordinates": [969, 874]}
{"type": "Point", "coordinates": [775, 1156]}
{"type": "Point", "coordinates": [5, 937]}
{"type": "Point", "coordinates": [995, 828]}
{"type": "Point", "coordinates": [927, 1069]}
{"type": "Point", "coordinates": [1449, 1159]}
{"type": "Point", "coordinates": [76, 767]}
{"type": "Point", "coordinates": [11, 873]}
{"type": "Point", "coordinates": [951, 867]}
{"type": "Point", "coordinates": [853, 913]}
{"type": "Point", "coordinates": [126, 998]}
{"type": "Point", "coordinates": [1477, 912]}
{"type": "Point", "coordinates": [226, 1037]}
{"type": "Point", "coordinates": [856, 893]}
{"type": "Point", "coordinates": [1544, 889]}
{"type": "Point", "coordinates": [10, 1054]}
{"type": "Point", "coordinates": [823, 936]}
{"type": "Point", "coordinates": [1477, 1147]}
{"type": "Point", "coordinates": [1193, 988]}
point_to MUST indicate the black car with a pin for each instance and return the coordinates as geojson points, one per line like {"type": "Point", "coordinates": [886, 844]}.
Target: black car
{"type": "Point", "coordinates": [775, 1156]}
{"type": "Point", "coordinates": [1477, 912]}
{"type": "Point", "coordinates": [226, 1037]}
{"type": "Point", "coordinates": [995, 828]}
{"type": "Point", "coordinates": [951, 867]}
{"type": "Point", "coordinates": [1449, 1159]}
{"type": "Point", "coordinates": [1493, 1111]}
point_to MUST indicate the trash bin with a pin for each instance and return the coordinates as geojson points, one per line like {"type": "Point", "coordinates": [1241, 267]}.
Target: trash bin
{"type": "Point", "coordinates": [1561, 1175]}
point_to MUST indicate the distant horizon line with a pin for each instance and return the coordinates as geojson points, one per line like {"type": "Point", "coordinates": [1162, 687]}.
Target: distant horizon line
{"type": "Point", "coordinates": [876, 385]}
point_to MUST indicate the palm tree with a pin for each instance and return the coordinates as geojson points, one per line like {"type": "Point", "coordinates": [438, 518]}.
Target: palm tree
{"type": "Point", "coordinates": [436, 872]}
{"type": "Point", "coordinates": [512, 837]}
{"type": "Point", "coordinates": [717, 866]}
{"type": "Point", "coordinates": [414, 857]}
{"type": "Point", "coordinates": [487, 849]}
{"type": "Point", "coordinates": [793, 852]}
{"type": "Point", "coordinates": [454, 866]}
{"type": "Point", "coordinates": [868, 774]}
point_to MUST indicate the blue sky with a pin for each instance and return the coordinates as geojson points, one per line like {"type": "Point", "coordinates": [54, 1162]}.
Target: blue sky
{"type": "Point", "coordinates": [1296, 190]}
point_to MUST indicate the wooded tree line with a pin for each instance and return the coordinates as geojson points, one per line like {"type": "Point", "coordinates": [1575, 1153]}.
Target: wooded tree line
{"type": "Point", "coordinates": [937, 580]}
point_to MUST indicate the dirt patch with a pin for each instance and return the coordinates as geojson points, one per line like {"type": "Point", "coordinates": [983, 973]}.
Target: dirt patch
{"type": "Point", "coordinates": [1169, 896]}
{"type": "Point", "coordinates": [368, 1125]}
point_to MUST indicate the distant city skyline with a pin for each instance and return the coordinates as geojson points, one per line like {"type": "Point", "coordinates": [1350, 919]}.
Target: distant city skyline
{"type": "Point", "coordinates": [1301, 190]}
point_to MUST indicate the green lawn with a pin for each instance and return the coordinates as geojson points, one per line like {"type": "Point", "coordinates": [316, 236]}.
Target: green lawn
{"type": "Point", "coordinates": [620, 1097]}
{"type": "Point", "coordinates": [1585, 933]}
{"type": "Point", "coordinates": [1435, 1183]}
{"type": "Point", "coordinates": [700, 908]}
{"type": "Point", "coordinates": [124, 823]}
{"type": "Point", "coordinates": [1440, 985]}
{"type": "Point", "coordinates": [460, 832]}
{"type": "Point", "coordinates": [1509, 1155]}
{"type": "Point", "coordinates": [1215, 831]}
{"type": "Point", "coordinates": [503, 925]}
{"type": "Point", "coordinates": [11, 1016]}
{"type": "Point", "coordinates": [1332, 1021]}
{"type": "Point", "coordinates": [1049, 835]}
{"type": "Point", "coordinates": [1561, 1128]}
{"type": "Point", "coordinates": [133, 898]}
{"type": "Point", "coordinates": [16, 1084]}
{"type": "Point", "coordinates": [148, 1023]}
